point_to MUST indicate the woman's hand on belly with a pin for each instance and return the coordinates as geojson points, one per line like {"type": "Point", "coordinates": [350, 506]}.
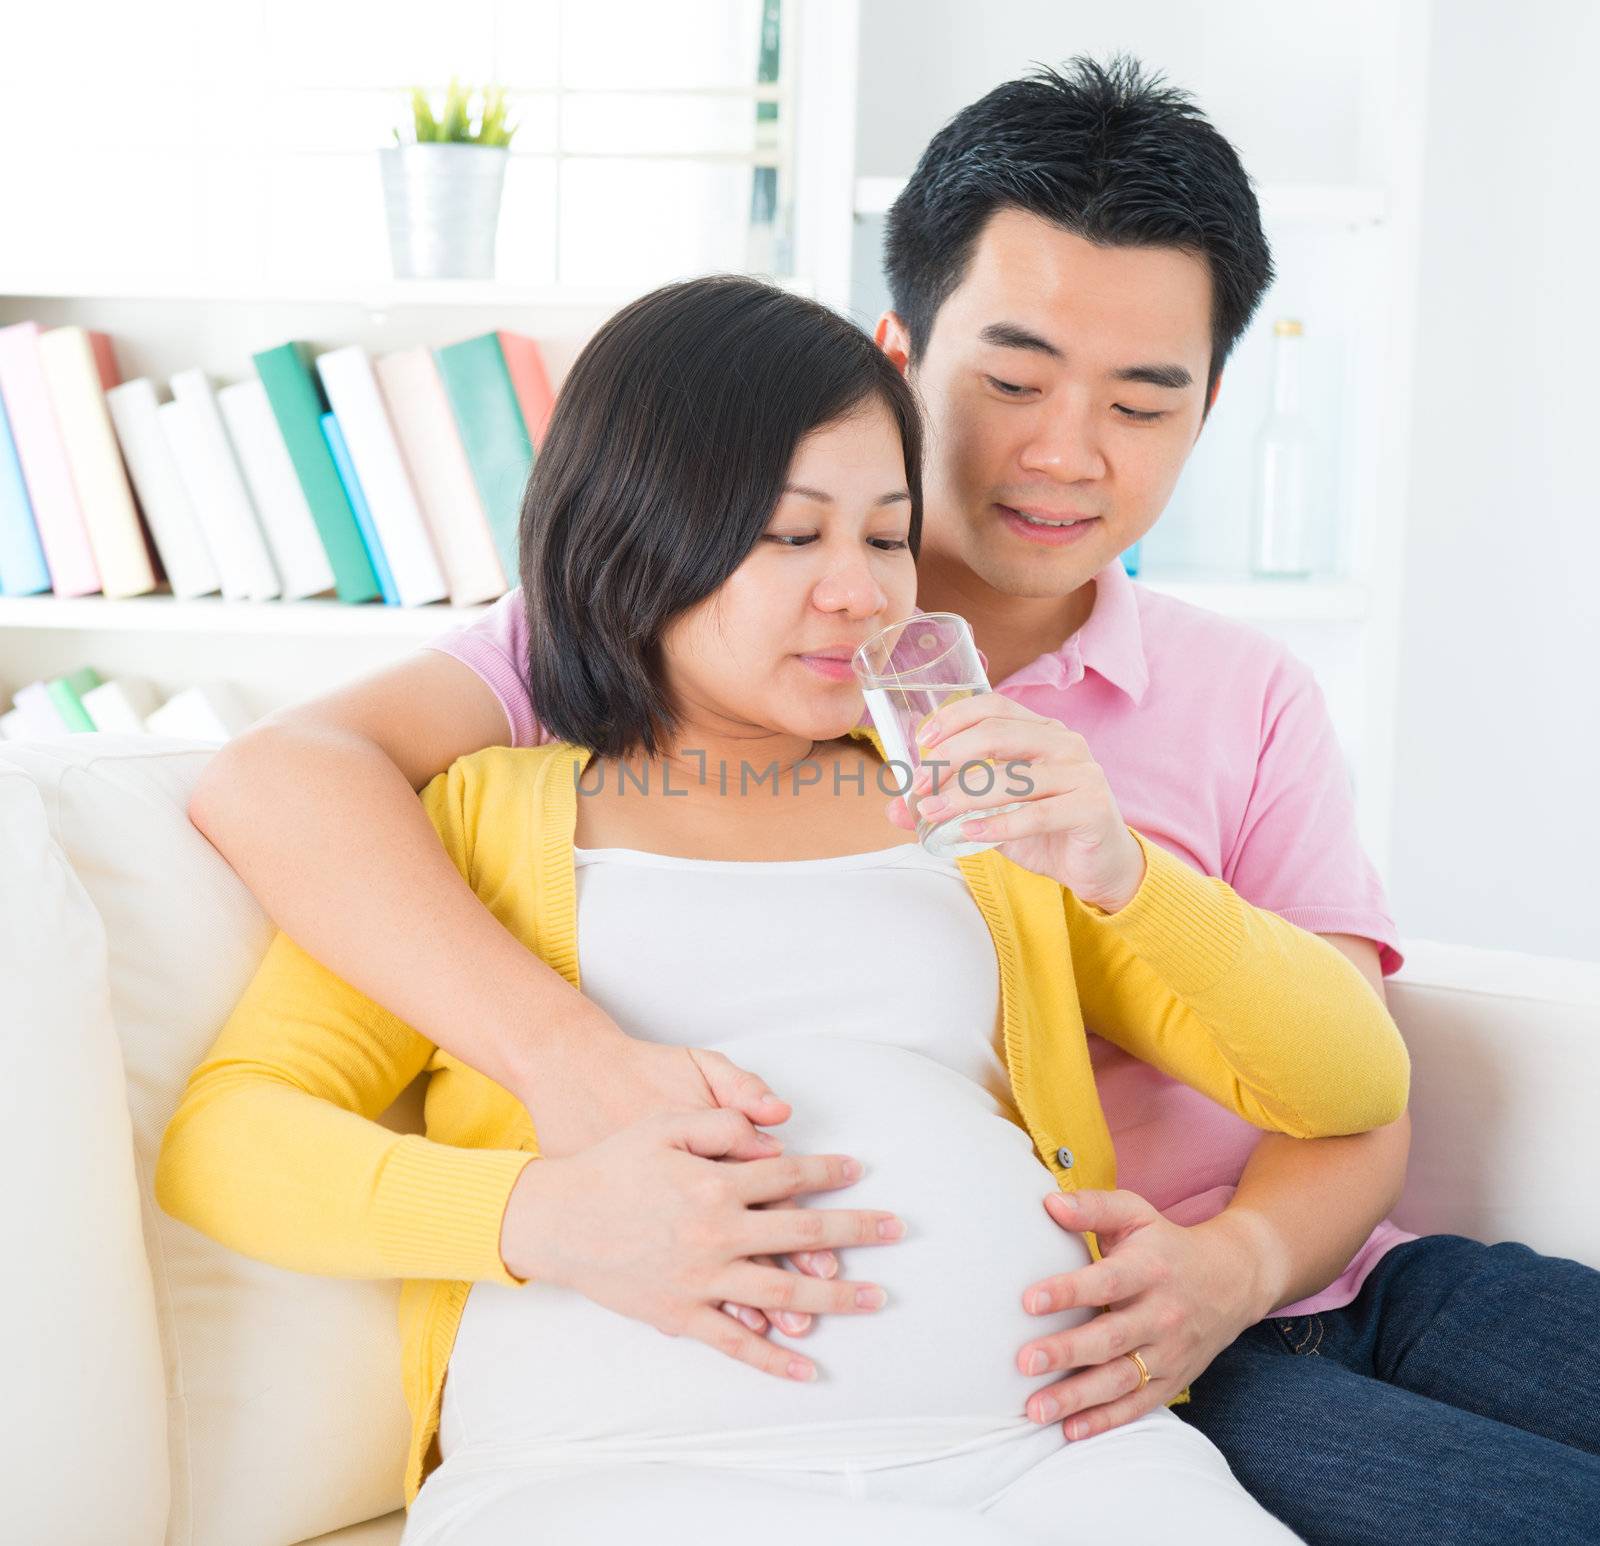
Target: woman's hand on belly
{"type": "Point", "coordinates": [649, 1223]}
{"type": "Point", "coordinates": [625, 1080]}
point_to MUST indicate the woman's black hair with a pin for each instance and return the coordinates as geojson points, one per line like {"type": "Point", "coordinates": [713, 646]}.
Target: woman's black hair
{"type": "Point", "coordinates": [665, 457]}
{"type": "Point", "coordinates": [1101, 151]}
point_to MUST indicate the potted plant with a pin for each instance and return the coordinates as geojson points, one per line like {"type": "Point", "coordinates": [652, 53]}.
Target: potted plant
{"type": "Point", "coordinates": [441, 190]}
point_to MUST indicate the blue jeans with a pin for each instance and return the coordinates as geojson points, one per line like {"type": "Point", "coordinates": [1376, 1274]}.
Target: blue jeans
{"type": "Point", "coordinates": [1456, 1400]}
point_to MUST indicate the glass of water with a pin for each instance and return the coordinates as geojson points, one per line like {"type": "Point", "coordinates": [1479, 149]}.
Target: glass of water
{"type": "Point", "coordinates": [908, 671]}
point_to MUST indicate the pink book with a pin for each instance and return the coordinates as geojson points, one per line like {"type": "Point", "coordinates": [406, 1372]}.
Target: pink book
{"type": "Point", "coordinates": [43, 457]}
{"type": "Point", "coordinates": [530, 382]}
{"type": "Point", "coordinates": [79, 368]}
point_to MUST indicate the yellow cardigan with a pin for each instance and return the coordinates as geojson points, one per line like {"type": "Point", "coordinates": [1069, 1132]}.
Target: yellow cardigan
{"type": "Point", "coordinates": [275, 1152]}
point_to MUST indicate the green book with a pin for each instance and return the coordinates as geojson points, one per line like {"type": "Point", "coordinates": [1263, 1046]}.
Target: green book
{"type": "Point", "coordinates": [66, 692]}
{"type": "Point", "coordinates": [496, 440]}
{"type": "Point", "coordinates": [298, 405]}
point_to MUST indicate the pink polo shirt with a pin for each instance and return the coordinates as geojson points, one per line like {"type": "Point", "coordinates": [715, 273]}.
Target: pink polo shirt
{"type": "Point", "coordinates": [1218, 746]}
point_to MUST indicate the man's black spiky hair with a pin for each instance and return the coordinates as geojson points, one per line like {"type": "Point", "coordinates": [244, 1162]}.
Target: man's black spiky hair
{"type": "Point", "coordinates": [1102, 151]}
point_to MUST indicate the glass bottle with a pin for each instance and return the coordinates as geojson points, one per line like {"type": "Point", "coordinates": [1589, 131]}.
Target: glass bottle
{"type": "Point", "coordinates": [1282, 535]}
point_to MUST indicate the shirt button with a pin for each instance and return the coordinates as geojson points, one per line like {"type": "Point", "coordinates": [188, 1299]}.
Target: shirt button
{"type": "Point", "coordinates": [1064, 1158]}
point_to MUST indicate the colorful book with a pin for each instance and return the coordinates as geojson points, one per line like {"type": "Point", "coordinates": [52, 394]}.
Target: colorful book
{"type": "Point", "coordinates": [79, 367]}
{"type": "Point", "coordinates": [301, 559]}
{"type": "Point", "coordinates": [298, 406]}
{"type": "Point", "coordinates": [437, 461]}
{"type": "Point", "coordinates": [23, 571]}
{"type": "Point", "coordinates": [167, 506]}
{"type": "Point", "coordinates": [530, 381]}
{"type": "Point", "coordinates": [356, 400]}
{"type": "Point", "coordinates": [340, 453]}
{"type": "Point", "coordinates": [478, 384]}
{"type": "Point", "coordinates": [57, 514]}
{"type": "Point", "coordinates": [66, 692]}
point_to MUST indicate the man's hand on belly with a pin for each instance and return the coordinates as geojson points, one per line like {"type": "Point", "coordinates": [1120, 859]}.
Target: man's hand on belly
{"type": "Point", "coordinates": [1175, 1295]}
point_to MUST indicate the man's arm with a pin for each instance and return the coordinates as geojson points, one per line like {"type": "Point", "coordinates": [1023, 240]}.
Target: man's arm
{"type": "Point", "coordinates": [316, 808]}
{"type": "Point", "coordinates": [1304, 1207]}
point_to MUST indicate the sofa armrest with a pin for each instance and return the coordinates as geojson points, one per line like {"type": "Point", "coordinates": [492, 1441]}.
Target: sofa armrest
{"type": "Point", "coordinates": [1505, 1069]}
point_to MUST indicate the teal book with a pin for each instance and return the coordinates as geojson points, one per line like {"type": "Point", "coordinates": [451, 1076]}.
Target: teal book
{"type": "Point", "coordinates": [499, 452]}
{"type": "Point", "coordinates": [22, 566]}
{"type": "Point", "coordinates": [358, 504]}
{"type": "Point", "coordinates": [298, 405]}
{"type": "Point", "coordinates": [66, 693]}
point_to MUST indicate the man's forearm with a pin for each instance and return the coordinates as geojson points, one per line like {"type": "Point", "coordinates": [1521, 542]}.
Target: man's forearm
{"type": "Point", "coordinates": [1305, 1206]}
{"type": "Point", "coordinates": [332, 840]}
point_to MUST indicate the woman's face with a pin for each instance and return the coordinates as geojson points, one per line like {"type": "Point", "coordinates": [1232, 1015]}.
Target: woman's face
{"type": "Point", "coordinates": [831, 568]}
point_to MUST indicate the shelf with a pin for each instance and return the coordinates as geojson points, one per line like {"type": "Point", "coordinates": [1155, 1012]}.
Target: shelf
{"type": "Point", "coordinates": [1264, 601]}
{"type": "Point", "coordinates": [1330, 203]}
{"type": "Point", "coordinates": [321, 617]}
{"type": "Point", "coordinates": [1316, 601]}
{"type": "Point", "coordinates": [375, 295]}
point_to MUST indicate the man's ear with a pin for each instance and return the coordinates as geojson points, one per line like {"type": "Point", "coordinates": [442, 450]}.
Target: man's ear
{"type": "Point", "coordinates": [894, 339]}
{"type": "Point", "coordinates": [1216, 387]}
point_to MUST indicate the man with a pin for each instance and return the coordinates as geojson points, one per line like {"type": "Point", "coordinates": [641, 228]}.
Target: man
{"type": "Point", "coordinates": [1070, 265]}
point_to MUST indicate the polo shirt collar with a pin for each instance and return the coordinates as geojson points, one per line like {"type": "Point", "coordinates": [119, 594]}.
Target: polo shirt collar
{"type": "Point", "coordinates": [1110, 643]}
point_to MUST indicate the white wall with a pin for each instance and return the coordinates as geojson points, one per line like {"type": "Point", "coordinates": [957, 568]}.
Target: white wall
{"type": "Point", "coordinates": [1496, 834]}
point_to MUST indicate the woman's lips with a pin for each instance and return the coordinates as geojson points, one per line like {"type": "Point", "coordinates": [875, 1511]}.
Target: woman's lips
{"type": "Point", "coordinates": [1047, 536]}
{"type": "Point", "coordinates": [834, 670]}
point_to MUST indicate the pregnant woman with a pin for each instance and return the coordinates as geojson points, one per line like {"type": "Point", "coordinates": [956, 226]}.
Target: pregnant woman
{"type": "Point", "coordinates": [728, 501]}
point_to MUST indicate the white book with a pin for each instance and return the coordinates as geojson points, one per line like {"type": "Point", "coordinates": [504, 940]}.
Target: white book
{"type": "Point", "coordinates": [40, 719]}
{"type": "Point", "coordinates": [121, 704]}
{"type": "Point", "coordinates": [358, 405]}
{"type": "Point", "coordinates": [210, 471]}
{"type": "Point", "coordinates": [431, 444]}
{"type": "Point", "coordinates": [161, 490]}
{"type": "Point", "coordinates": [213, 712]}
{"type": "Point", "coordinates": [275, 487]}
{"type": "Point", "coordinates": [12, 726]}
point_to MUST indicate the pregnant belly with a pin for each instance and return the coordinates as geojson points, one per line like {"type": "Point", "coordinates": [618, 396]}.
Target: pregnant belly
{"type": "Point", "coordinates": [543, 1363]}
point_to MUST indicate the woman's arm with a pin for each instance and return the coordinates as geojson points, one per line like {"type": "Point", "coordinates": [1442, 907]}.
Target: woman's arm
{"type": "Point", "coordinates": [1262, 1017]}
{"type": "Point", "coordinates": [1181, 1294]}
{"type": "Point", "coordinates": [275, 1151]}
{"type": "Point", "coordinates": [1304, 1207]}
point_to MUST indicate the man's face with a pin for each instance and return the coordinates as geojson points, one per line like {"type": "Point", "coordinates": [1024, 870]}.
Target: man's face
{"type": "Point", "coordinates": [1031, 411]}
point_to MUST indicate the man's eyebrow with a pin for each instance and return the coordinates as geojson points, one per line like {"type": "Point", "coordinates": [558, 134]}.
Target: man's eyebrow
{"type": "Point", "coordinates": [899, 496]}
{"type": "Point", "coordinates": [1008, 335]}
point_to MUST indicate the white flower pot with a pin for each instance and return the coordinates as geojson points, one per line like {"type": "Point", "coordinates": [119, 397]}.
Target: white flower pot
{"type": "Point", "coordinates": [443, 208]}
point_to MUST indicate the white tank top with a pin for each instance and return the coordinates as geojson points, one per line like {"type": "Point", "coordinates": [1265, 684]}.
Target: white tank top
{"type": "Point", "coordinates": [865, 990]}
{"type": "Point", "coordinates": [882, 947]}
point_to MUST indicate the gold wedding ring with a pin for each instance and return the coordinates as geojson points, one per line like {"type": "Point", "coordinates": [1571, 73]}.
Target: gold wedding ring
{"type": "Point", "coordinates": [1144, 1373]}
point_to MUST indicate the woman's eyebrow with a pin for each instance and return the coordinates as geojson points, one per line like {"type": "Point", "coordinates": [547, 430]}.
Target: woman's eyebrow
{"type": "Point", "coordinates": [897, 497]}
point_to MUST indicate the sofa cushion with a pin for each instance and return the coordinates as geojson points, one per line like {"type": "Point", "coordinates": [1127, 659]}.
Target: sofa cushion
{"type": "Point", "coordinates": [86, 1375]}
{"type": "Point", "coordinates": [1505, 1060]}
{"type": "Point", "coordinates": [375, 1532]}
{"type": "Point", "coordinates": [284, 1405]}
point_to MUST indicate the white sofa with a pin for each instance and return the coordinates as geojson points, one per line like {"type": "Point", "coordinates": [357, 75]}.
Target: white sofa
{"type": "Point", "coordinates": [172, 1391]}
